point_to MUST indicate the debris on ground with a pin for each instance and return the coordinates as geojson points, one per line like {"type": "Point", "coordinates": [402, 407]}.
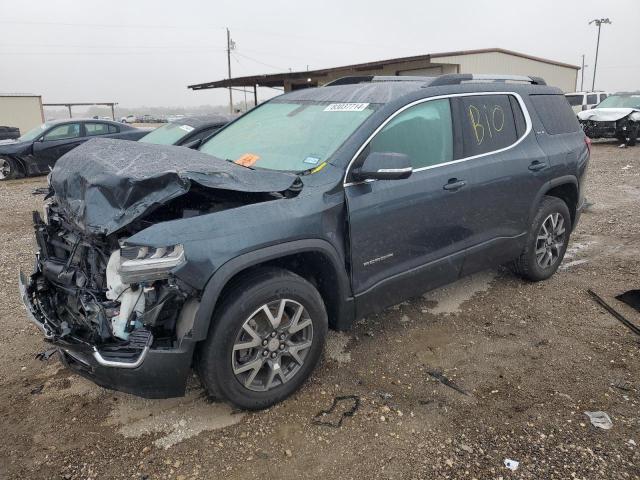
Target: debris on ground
{"type": "Point", "coordinates": [634, 328]}
{"type": "Point", "coordinates": [511, 464]}
{"type": "Point", "coordinates": [600, 419]}
{"type": "Point", "coordinates": [37, 390]}
{"type": "Point", "coordinates": [631, 298]}
{"type": "Point", "coordinates": [439, 376]}
{"type": "Point", "coordinates": [45, 355]}
{"type": "Point", "coordinates": [354, 399]}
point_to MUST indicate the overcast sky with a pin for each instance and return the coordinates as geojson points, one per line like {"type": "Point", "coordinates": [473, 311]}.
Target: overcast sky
{"type": "Point", "coordinates": [145, 52]}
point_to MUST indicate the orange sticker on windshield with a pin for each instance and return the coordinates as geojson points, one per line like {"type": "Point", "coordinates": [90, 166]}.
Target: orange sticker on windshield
{"type": "Point", "coordinates": [247, 160]}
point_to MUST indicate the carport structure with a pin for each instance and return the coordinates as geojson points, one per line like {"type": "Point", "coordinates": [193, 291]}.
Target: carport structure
{"type": "Point", "coordinates": [482, 61]}
{"type": "Point", "coordinates": [69, 105]}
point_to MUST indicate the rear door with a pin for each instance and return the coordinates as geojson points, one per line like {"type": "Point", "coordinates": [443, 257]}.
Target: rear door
{"type": "Point", "coordinates": [505, 167]}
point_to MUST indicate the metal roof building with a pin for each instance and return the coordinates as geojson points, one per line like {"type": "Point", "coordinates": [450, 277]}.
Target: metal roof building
{"type": "Point", "coordinates": [489, 60]}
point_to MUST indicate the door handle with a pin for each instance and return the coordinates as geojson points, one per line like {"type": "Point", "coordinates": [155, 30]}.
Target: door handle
{"type": "Point", "coordinates": [454, 184]}
{"type": "Point", "coordinates": [536, 166]}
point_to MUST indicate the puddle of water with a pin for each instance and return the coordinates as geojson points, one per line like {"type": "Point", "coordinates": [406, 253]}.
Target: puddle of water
{"type": "Point", "coordinates": [450, 298]}
{"type": "Point", "coordinates": [336, 345]}
{"type": "Point", "coordinates": [567, 265]}
{"type": "Point", "coordinates": [177, 419]}
{"type": "Point", "coordinates": [575, 248]}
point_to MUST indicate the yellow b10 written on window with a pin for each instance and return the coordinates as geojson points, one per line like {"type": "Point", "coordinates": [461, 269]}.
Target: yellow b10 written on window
{"type": "Point", "coordinates": [486, 120]}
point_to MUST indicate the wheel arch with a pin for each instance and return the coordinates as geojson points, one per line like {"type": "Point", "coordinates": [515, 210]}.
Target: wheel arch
{"type": "Point", "coordinates": [315, 260]}
{"type": "Point", "coordinates": [566, 189]}
{"type": "Point", "coordinates": [18, 162]}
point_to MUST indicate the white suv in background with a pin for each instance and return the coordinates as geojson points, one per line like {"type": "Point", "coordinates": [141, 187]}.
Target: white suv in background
{"type": "Point", "coordinates": [580, 101]}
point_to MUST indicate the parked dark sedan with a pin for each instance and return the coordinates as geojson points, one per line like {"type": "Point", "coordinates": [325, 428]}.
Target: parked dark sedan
{"type": "Point", "coordinates": [35, 152]}
{"type": "Point", "coordinates": [187, 131]}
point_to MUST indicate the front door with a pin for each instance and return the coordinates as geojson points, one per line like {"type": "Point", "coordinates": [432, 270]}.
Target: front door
{"type": "Point", "coordinates": [55, 143]}
{"type": "Point", "coordinates": [406, 235]}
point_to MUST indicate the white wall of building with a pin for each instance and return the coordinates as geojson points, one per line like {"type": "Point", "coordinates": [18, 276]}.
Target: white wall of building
{"type": "Point", "coordinates": [24, 112]}
{"type": "Point", "coordinates": [502, 63]}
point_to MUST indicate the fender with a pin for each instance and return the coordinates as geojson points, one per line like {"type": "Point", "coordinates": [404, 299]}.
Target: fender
{"type": "Point", "coordinates": [234, 266]}
{"type": "Point", "coordinates": [566, 179]}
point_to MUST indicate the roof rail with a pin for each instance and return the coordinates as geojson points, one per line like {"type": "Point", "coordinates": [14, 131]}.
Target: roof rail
{"type": "Point", "coordinates": [458, 78]}
{"type": "Point", "coordinates": [351, 80]}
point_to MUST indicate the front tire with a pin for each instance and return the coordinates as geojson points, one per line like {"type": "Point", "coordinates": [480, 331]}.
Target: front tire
{"type": "Point", "coordinates": [546, 242]}
{"type": "Point", "coordinates": [266, 338]}
{"type": "Point", "coordinates": [9, 169]}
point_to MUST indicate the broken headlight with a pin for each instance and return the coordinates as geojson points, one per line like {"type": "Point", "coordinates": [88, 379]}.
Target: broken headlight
{"type": "Point", "coordinates": [139, 264]}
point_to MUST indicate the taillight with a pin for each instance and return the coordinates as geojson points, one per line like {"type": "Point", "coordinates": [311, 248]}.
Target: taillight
{"type": "Point", "coordinates": [587, 141]}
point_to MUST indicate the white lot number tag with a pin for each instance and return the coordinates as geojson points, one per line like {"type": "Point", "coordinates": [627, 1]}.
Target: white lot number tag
{"type": "Point", "coordinates": [186, 128]}
{"type": "Point", "coordinates": [346, 107]}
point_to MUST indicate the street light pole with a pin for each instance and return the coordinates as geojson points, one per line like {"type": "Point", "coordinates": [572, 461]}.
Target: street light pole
{"type": "Point", "coordinates": [598, 22]}
{"type": "Point", "coordinates": [582, 74]}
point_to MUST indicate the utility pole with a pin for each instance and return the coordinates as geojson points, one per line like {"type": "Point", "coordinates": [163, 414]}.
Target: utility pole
{"type": "Point", "coordinates": [230, 46]}
{"type": "Point", "coordinates": [598, 22]}
{"type": "Point", "coordinates": [582, 74]}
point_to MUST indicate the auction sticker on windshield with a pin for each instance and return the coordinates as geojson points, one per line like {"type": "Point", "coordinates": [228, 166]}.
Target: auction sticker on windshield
{"type": "Point", "coordinates": [186, 128]}
{"type": "Point", "coordinates": [346, 107]}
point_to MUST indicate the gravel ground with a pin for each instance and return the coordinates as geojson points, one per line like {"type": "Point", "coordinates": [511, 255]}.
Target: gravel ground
{"type": "Point", "coordinates": [529, 360]}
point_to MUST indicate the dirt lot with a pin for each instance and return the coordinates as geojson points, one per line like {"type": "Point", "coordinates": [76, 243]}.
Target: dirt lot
{"type": "Point", "coordinates": [532, 358]}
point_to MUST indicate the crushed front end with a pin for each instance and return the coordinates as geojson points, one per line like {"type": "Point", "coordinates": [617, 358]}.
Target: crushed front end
{"type": "Point", "coordinates": [114, 311]}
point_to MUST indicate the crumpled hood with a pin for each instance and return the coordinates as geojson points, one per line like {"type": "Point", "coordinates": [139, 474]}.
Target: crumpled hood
{"type": "Point", "coordinates": [606, 114]}
{"type": "Point", "coordinates": [105, 184]}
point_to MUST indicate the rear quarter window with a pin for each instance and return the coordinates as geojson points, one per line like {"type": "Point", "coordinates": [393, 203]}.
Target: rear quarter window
{"type": "Point", "coordinates": [487, 123]}
{"type": "Point", "coordinates": [555, 113]}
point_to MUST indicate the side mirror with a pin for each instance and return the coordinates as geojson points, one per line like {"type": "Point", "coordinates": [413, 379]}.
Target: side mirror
{"type": "Point", "coordinates": [384, 166]}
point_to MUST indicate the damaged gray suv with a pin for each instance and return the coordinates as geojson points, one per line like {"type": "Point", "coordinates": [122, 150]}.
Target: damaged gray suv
{"type": "Point", "coordinates": [314, 209]}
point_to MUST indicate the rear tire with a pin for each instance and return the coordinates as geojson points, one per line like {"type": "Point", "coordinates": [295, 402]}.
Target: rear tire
{"type": "Point", "coordinates": [546, 242]}
{"type": "Point", "coordinates": [275, 360]}
{"type": "Point", "coordinates": [9, 169]}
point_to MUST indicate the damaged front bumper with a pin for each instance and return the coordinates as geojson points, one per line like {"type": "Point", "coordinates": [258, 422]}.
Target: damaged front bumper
{"type": "Point", "coordinates": [138, 369]}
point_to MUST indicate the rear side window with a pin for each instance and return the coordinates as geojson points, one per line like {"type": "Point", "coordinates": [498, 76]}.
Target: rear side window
{"type": "Point", "coordinates": [555, 113]}
{"type": "Point", "coordinates": [592, 99]}
{"type": "Point", "coordinates": [423, 132]}
{"type": "Point", "coordinates": [487, 123]}
{"type": "Point", "coordinates": [96, 129]}
{"type": "Point", "coordinates": [575, 100]}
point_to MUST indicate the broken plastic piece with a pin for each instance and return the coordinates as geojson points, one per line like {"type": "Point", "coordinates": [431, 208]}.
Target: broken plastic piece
{"type": "Point", "coordinates": [631, 298]}
{"type": "Point", "coordinates": [511, 464]}
{"type": "Point", "coordinates": [600, 419]}
{"type": "Point", "coordinates": [349, 413]}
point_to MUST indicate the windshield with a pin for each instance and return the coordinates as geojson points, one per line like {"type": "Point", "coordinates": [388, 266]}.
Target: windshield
{"type": "Point", "coordinates": [574, 100]}
{"type": "Point", "coordinates": [168, 134]}
{"type": "Point", "coordinates": [34, 133]}
{"type": "Point", "coordinates": [621, 101]}
{"type": "Point", "coordinates": [289, 136]}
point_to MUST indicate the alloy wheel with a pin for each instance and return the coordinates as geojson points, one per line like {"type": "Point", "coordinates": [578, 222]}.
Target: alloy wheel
{"type": "Point", "coordinates": [550, 240]}
{"type": "Point", "coordinates": [272, 345]}
{"type": "Point", "coordinates": [5, 169]}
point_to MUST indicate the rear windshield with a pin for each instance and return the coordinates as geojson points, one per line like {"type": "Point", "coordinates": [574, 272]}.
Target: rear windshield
{"type": "Point", "coordinates": [575, 100]}
{"type": "Point", "coordinates": [555, 113]}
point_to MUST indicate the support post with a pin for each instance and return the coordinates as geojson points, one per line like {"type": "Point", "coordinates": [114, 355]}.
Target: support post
{"type": "Point", "coordinates": [70, 114]}
{"type": "Point", "coordinates": [255, 95]}
{"type": "Point", "coordinates": [113, 112]}
{"type": "Point", "coordinates": [229, 70]}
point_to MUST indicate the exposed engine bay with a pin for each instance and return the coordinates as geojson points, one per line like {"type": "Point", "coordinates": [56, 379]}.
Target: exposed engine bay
{"type": "Point", "coordinates": [100, 290]}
